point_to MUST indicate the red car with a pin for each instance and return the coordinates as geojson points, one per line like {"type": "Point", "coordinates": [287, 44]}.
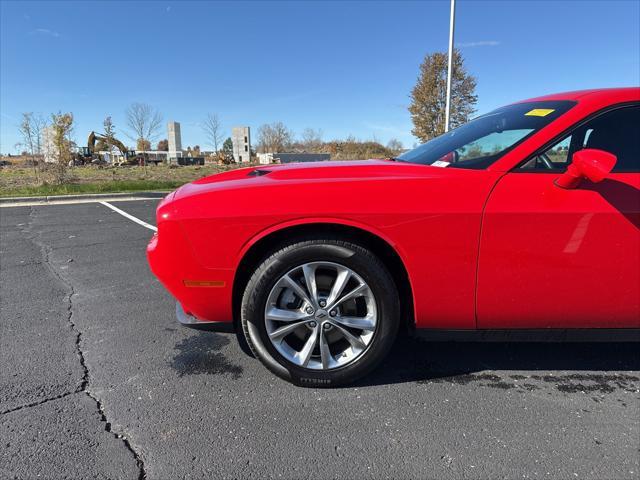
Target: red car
{"type": "Point", "coordinates": [526, 218]}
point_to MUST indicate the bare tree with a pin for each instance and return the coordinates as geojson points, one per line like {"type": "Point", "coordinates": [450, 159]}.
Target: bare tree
{"type": "Point", "coordinates": [212, 127]}
{"type": "Point", "coordinates": [395, 145]}
{"type": "Point", "coordinates": [312, 139]}
{"type": "Point", "coordinates": [144, 122]}
{"type": "Point", "coordinates": [39, 123]}
{"type": "Point", "coordinates": [109, 136]}
{"type": "Point", "coordinates": [274, 138]}
{"type": "Point", "coordinates": [30, 138]}
{"type": "Point", "coordinates": [109, 130]}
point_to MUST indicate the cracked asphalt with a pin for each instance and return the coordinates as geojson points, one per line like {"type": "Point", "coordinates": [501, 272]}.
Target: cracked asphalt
{"type": "Point", "coordinates": [98, 381]}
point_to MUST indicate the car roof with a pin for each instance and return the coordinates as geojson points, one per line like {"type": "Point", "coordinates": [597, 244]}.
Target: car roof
{"type": "Point", "coordinates": [619, 94]}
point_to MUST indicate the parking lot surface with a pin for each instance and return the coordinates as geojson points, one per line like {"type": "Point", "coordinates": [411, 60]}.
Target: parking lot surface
{"type": "Point", "coordinates": [98, 380]}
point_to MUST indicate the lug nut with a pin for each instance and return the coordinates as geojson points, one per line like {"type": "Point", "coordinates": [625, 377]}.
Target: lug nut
{"type": "Point", "coordinates": [312, 324]}
{"type": "Point", "coordinates": [323, 303]}
{"type": "Point", "coordinates": [309, 310]}
{"type": "Point", "coordinates": [327, 326]}
{"type": "Point", "coordinates": [333, 313]}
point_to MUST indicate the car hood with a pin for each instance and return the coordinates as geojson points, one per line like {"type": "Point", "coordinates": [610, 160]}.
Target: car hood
{"type": "Point", "coordinates": [312, 172]}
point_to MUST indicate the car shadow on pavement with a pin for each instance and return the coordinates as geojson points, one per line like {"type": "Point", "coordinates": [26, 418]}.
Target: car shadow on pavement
{"type": "Point", "coordinates": [200, 353]}
{"type": "Point", "coordinates": [416, 360]}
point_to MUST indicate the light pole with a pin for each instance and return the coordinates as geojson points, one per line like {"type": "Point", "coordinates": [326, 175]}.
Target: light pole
{"type": "Point", "coordinates": [452, 21]}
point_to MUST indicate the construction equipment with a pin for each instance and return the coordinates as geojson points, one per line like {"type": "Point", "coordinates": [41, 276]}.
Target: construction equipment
{"type": "Point", "coordinates": [88, 153]}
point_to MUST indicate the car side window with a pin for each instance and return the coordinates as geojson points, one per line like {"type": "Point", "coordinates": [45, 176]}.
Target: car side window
{"type": "Point", "coordinates": [616, 131]}
{"type": "Point", "coordinates": [555, 158]}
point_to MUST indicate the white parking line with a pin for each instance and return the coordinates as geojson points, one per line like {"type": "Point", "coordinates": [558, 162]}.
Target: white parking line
{"type": "Point", "coordinates": [130, 217]}
{"type": "Point", "coordinates": [71, 201]}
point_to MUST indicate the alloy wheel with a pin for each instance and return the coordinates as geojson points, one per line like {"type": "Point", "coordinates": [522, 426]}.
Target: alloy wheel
{"type": "Point", "coordinates": [321, 315]}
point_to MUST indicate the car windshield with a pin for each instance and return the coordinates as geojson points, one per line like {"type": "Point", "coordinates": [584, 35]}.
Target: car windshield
{"type": "Point", "coordinates": [484, 140]}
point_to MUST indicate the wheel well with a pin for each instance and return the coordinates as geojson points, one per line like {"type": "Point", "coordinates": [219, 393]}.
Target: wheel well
{"type": "Point", "coordinates": [276, 240]}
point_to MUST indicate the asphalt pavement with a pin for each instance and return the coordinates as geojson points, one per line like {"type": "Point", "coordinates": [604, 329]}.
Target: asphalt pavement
{"type": "Point", "coordinates": [97, 380]}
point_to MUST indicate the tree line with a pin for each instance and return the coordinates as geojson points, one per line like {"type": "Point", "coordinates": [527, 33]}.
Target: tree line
{"type": "Point", "coordinates": [144, 124]}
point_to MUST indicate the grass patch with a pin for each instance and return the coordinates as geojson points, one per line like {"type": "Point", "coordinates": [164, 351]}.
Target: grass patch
{"type": "Point", "coordinates": [17, 181]}
{"type": "Point", "coordinates": [117, 186]}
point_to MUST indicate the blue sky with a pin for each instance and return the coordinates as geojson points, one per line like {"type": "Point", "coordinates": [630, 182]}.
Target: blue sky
{"type": "Point", "coordinates": [343, 67]}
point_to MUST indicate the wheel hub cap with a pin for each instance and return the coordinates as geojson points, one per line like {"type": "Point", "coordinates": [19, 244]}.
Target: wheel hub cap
{"type": "Point", "coordinates": [321, 315]}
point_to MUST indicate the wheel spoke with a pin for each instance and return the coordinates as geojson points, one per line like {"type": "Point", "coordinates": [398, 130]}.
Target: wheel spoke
{"type": "Point", "coordinates": [297, 288]}
{"type": "Point", "coordinates": [325, 353]}
{"type": "Point", "coordinates": [280, 333]}
{"type": "Point", "coordinates": [281, 315]}
{"type": "Point", "coordinates": [314, 337]}
{"type": "Point", "coordinates": [342, 277]}
{"type": "Point", "coordinates": [304, 355]}
{"type": "Point", "coordinates": [363, 323]}
{"type": "Point", "coordinates": [356, 292]}
{"type": "Point", "coordinates": [355, 342]}
{"type": "Point", "coordinates": [310, 280]}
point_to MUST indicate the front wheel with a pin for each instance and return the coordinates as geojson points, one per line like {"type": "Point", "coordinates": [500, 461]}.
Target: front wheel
{"type": "Point", "coordinates": [321, 312]}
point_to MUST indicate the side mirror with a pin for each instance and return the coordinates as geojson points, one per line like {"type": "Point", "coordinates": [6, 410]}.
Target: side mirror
{"type": "Point", "coordinates": [589, 163]}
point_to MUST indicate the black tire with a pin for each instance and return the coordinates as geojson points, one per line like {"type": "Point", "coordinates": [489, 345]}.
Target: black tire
{"type": "Point", "coordinates": [330, 249]}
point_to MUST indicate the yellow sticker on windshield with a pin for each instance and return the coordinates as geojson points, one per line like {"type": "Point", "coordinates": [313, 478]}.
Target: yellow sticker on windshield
{"type": "Point", "coordinates": [540, 112]}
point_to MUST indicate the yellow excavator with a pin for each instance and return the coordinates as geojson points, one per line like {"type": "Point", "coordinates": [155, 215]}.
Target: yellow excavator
{"type": "Point", "coordinates": [88, 153]}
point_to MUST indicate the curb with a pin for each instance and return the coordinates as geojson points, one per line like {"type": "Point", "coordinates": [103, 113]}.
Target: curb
{"type": "Point", "coordinates": [89, 196]}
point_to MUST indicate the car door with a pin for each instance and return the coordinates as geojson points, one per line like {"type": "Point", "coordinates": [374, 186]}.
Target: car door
{"type": "Point", "coordinates": [565, 258]}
